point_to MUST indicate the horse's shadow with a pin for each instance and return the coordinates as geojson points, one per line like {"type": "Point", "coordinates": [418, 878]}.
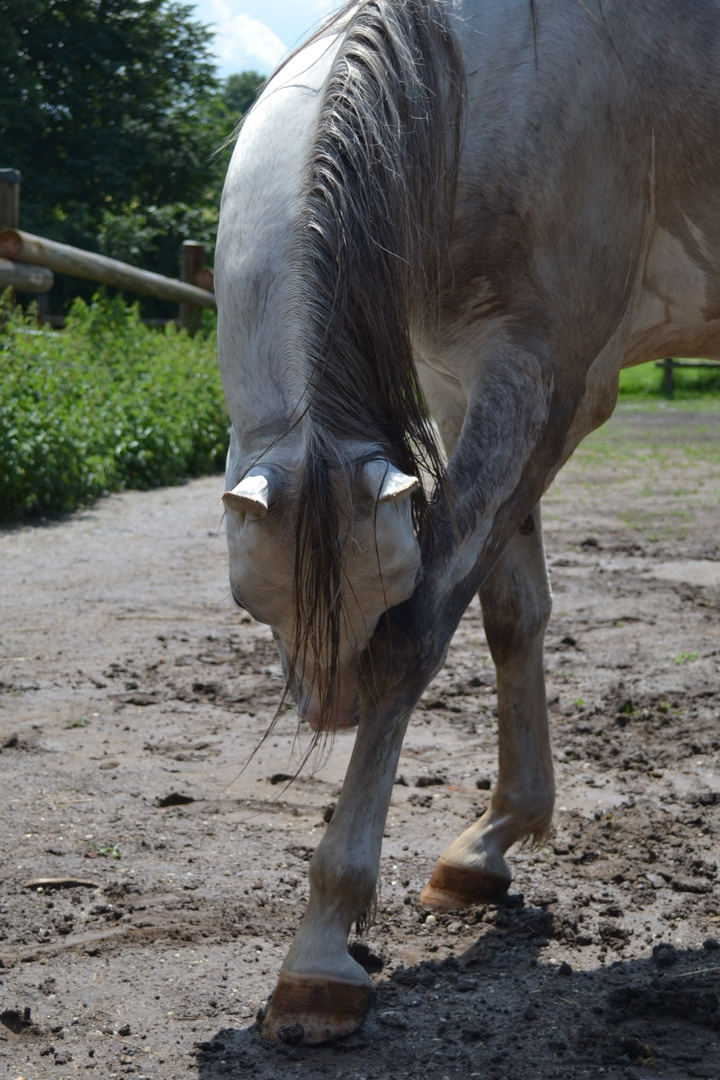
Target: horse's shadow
{"type": "Point", "coordinates": [499, 1010]}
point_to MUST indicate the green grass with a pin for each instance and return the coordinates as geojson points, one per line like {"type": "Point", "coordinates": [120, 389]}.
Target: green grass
{"type": "Point", "coordinates": [105, 404]}
{"type": "Point", "coordinates": [685, 657]}
{"type": "Point", "coordinates": [645, 383]}
{"type": "Point", "coordinates": [680, 457]}
{"type": "Point", "coordinates": [655, 462]}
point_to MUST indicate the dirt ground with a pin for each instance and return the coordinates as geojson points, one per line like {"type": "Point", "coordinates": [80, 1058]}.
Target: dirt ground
{"type": "Point", "coordinates": [132, 694]}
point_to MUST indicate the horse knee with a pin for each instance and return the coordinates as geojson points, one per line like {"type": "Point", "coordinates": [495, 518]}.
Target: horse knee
{"type": "Point", "coordinates": [515, 619]}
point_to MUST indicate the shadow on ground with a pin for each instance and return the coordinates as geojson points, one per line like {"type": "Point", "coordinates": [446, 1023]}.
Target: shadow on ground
{"type": "Point", "coordinates": [497, 1012]}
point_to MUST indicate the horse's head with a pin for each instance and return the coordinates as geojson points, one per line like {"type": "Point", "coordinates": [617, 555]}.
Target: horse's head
{"type": "Point", "coordinates": [322, 598]}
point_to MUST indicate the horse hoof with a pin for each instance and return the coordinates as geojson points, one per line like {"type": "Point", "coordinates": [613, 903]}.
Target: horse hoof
{"type": "Point", "coordinates": [313, 1009]}
{"type": "Point", "coordinates": [453, 886]}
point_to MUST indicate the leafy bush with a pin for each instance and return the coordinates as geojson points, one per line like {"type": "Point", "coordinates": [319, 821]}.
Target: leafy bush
{"type": "Point", "coordinates": [105, 404]}
{"type": "Point", "coordinates": [646, 381]}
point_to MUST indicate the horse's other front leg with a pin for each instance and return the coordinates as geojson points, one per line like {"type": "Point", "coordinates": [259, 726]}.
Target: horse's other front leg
{"type": "Point", "coordinates": [516, 603]}
{"type": "Point", "coordinates": [322, 992]}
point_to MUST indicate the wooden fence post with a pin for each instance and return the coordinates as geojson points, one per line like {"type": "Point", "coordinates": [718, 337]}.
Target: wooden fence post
{"type": "Point", "coordinates": [10, 207]}
{"type": "Point", "coordinates": [668, 385]}
{"type": "Point", "coordinates": [193, 260]}
{"type": "Point", "coordinates": [10, 198]}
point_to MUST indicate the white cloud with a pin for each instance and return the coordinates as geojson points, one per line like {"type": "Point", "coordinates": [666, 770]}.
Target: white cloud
{"type": "Point", "coordinates": [244, 42]}
{"type": "Point", "coordinates": [258, 33]}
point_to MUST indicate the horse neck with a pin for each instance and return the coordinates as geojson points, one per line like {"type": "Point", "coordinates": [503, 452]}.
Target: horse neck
{"type": "Point", "coordinates": [333, 230]}
{"type": "Point", "coordinates": [260, 305]}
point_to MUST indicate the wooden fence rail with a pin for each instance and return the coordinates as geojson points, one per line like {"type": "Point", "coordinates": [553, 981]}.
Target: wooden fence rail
{"type": "Point", "coordinates": [27, 263]}
{"type": "Point", "coordinates": [30, 279]}
{"type": "Point", "coordinates": [22, 247]}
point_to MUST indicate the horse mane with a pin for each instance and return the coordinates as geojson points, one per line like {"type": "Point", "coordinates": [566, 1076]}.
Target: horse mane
{"type": "Point", "coordinates": [374, 229]}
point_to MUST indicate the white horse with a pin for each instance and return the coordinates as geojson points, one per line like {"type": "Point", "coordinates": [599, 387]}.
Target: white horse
{"type": "Point", "coordinates": [491, 206]}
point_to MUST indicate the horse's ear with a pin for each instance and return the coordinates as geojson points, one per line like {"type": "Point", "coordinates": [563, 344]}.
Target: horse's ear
{"type": "Point", "coordinates": [253, 495]}
{"type": "Point", "coordinates": [385, 483]}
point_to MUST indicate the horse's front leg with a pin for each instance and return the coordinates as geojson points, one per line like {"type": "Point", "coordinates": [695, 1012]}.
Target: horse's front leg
{"type": "Point", "coordinates": [322, 992]}
{"type": "Point", "coordinates": [516, 606]}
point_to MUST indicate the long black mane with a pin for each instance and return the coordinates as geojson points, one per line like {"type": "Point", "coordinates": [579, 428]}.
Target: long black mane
{"type": "Point", "coordinates": [375, 227]}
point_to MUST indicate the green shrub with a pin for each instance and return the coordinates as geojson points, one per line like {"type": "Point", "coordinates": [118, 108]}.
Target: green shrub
{"type": "Point", "coordinates": [105, 404]}
{"type": "Point", "coordinates": [646, 381]}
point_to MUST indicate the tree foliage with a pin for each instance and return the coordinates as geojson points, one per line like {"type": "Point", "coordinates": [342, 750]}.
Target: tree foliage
{"type": "Point", "coordinates": [240, 91]}
{"type": "Point", "coordinates": [112, 111]}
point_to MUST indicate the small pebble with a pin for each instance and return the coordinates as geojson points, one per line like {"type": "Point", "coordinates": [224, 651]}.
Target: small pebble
{"type": "Point", "coordinates": [393, 1018]}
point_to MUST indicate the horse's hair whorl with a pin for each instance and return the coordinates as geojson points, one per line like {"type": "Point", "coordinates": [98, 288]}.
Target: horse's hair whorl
{"type": "Point", "coordinates": [374, 240]}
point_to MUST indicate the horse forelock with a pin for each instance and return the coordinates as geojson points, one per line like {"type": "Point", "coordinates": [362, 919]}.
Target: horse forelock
{"type": "Point", "coordinates": [373, 241]}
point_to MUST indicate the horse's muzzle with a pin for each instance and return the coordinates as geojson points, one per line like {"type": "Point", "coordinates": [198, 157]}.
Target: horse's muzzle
{"type": "Point", "coordinates": [340, 717]}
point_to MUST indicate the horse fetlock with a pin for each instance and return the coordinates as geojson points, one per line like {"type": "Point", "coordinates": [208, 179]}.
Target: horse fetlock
{"type": "Point", "coordinates": [539, 829]}
{"type": "Point", "coordinates": [523, 811]}
{"type": "Point", "coordinates": [347, 890]}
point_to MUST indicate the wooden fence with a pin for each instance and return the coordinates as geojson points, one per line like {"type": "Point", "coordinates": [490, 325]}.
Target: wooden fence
{"type": "Point", "coordinates": [27, 263]}
{"type": "Point", "coordinates": [669, 366]}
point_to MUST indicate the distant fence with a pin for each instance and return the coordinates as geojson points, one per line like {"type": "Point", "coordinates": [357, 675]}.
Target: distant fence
{"type": "Point", "coordinates": [27, 263]}
{"type": "Point", "coordinates": [669, 366]}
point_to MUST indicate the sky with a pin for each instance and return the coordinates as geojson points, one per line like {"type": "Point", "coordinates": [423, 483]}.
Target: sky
{"type": "Point", "coordinates": [253, 35]}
